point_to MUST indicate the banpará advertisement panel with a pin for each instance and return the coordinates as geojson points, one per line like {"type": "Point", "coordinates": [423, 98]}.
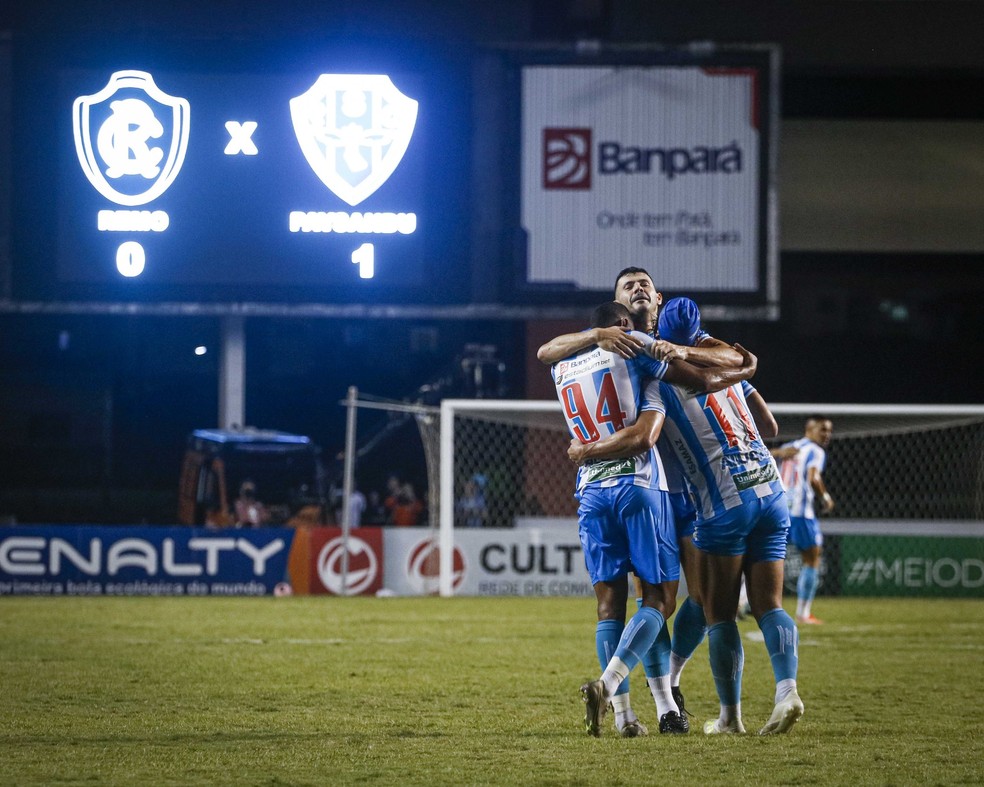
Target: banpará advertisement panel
{"type": "Point", "coordinates": [666, 165]}
{"type": "Point", "coordinates": [77, 560]}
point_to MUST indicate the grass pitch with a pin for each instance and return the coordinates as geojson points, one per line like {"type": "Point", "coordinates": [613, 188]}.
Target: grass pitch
{"type": "Point", "coordinates": [433, 691]}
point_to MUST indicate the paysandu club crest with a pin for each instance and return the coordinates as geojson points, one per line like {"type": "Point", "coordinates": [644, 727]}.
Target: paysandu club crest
{"type": "Point", "coordinates": [353, 130]}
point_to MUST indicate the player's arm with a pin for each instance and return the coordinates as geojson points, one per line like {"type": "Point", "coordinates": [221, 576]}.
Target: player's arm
{"type": "Point", "coordinates": [612, 339]}
{"type": "Point", "coordinates": [820, 488]}
{"type": "Point", "coordinates": [764, 419]}
{"type": "Point", "coordinates": [711, 378]}
{"type": "Point", "coordinates": [707, 352]}
{"type": "Point", "coordinates": [784, 452]}
{"type": "Point", "coordinates": [631, 441]}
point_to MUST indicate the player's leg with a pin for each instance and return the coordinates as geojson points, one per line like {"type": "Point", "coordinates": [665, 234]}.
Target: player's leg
{"type": "Point", "coordinates": [722, 578]}
{"type": "Point", "coordinates": [806, 587]}
{"type": "Point", "coordinates": [646, 523]}
{"type": "Point", "coordinates": [689, 625]}
{"type": "Point", "coordinates": [764, 578]}
{"type": "Point", "coordinates": [805, 534]}
{"type": "Point", "coordinates": [722, 544]}
{"type": "Point", "coordinates": [616, 535]}
{"type": "Point", "coordinates": [611, 597]}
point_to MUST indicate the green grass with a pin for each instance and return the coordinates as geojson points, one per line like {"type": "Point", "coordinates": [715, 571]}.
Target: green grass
{"type": "Point", "coordinates": [458, 691]}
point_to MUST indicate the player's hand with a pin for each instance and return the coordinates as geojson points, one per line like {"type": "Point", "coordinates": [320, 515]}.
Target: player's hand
{"type": "Point", "coordinates": [826, 503]}
{"type": "Point", "coordinates": [663, 350]}
{"type": "Point", "coordinates": [575, 452]}
{"type": "Point", "coordinates": [617, 341]}
{"type": "Point", "coordinates": [748, 361]}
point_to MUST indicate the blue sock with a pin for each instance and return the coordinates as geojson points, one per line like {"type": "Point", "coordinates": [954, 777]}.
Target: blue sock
{"type": "Point", "coordinates": [689, 628]}
{"type": "Point", "coordinates": [607, 635]}
{"type": "Point", "coordinates": [782, 642]}
{"type": "Point", "coordinates": [727, 660]}
{"type": "Point", "coordinates": [806, 586]}
{"type": "Point", "coordinates": [640, 633]}
{"type": "Point", "coordinates": [656, 662]}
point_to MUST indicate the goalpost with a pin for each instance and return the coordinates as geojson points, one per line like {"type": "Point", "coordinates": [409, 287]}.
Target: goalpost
{"type": "Point", "coordinates": [892, 469]}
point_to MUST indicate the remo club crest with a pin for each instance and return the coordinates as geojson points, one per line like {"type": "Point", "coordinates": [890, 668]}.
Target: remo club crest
{"type": "Point", "coordinates": [353, 130]}
{"type": "Point", "coordinates": [131, 138]}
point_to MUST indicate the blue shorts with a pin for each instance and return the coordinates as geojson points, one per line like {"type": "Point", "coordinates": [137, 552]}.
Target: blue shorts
{"type": "Point", "coordinates": [628, 528]}
{"type": "Point", "coordinates": [756, 529]}
{"type": "Point", "coordinates": [684, 513]}
{"type": "Point", "coordinates": [804, 533]}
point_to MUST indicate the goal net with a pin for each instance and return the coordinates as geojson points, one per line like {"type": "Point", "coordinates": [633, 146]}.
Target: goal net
{"type": "Point", "coordinates": [898, 469]}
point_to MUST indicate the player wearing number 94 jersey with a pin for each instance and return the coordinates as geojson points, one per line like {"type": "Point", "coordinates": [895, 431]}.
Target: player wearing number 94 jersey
{"type": "Point", "coordinates": [625, 520]}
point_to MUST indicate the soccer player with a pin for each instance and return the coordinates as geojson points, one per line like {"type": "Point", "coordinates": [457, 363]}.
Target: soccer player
{"type": "Point", "coordinates": [635, 290]}
{"type": "Point", "coordinates": [802, 469]}
{"type": "Point", "coordinates": [742, 522]}
{"type": "Point", "coordinates": [624, 514]}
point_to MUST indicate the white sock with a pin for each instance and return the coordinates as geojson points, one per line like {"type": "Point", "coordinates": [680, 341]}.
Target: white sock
{"type": "Point", "coordinates": [623, 710]}
{"type": "Point", "coordinates": [784, 688]}
{"type": "Point", "coordinates": [660, 687]}
{"type": "Point", "coordinates": [677, 663]}
{"type": "Point", "coordinates": [614, 674]}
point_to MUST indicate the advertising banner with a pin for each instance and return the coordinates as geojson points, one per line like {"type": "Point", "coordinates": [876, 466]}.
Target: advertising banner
{"type": "Point", "coordinates": [660, 166]}
{"type": "Point", "coordinates": [490, 562]}
{"type": "Point", "coordinates": [361, 574]}
{"type": "Point", "coordinates": [912, 566]}
{"type": "Point", "coordinates": [52, 560]}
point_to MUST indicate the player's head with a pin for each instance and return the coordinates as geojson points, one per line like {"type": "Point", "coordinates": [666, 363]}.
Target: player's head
{"type": "Point", "coordinates": [635, 289]}
{"type": "Point", "coordinates": [611, 314]}
{"type": "Point", "coordinates": [819, 429]}
{"type": "Point", "coordinates": [679, 322]}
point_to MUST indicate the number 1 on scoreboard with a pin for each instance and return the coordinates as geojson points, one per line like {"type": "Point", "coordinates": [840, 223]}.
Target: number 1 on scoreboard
{"type": "Point", "coordinates": [365, 258]}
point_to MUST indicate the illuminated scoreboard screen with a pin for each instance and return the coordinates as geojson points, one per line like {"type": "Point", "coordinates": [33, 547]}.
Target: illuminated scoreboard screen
{"type": "Point", "coordinates": [317, 184]}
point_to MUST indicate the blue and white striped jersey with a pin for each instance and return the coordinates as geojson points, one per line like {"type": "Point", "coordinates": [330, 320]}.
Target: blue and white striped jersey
{"type": "Point", "coordinates": [796, 476]}
{"type": "Point", "coordinates": [718, 446]}
{"type": "Point", "coordinates": [602, 393]}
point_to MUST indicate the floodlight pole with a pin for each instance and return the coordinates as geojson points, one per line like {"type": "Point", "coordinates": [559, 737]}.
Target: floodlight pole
{"type": "Point", "coordinates": [351, 404]}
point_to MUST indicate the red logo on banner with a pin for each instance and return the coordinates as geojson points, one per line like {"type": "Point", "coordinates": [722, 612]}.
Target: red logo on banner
{"type": "Point", "coordinates": [567, 158]}
{"type": "Point", "coordinates": [365, 561]}
{"type": "Point", "coordinates": [424, 566]}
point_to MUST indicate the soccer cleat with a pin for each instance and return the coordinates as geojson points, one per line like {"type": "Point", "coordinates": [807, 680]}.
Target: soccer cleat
{"type": "Point", "coordinates": [784, 715]}
{"type": "Point", "coordinates": [715, 727]}
{"type": "Point", "coordinates": [809, 620]}
{"type": "Point", "coordinates": [673, 723]}
{"type": "Point", "coordinates": [678, 699]}
{"type": "Point", "coordinates": [634, 729]}
{"type": "Point", "coordinates": [597, 702]}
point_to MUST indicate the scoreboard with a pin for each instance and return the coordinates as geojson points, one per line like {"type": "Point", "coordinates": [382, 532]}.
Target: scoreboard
{"type": "Point", "coordinates": [151, 181]}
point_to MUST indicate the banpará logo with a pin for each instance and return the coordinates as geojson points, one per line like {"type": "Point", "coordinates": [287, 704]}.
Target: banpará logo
{"type": "Point", "coordinates": [567, 158]}
{"type": "Point", "coordinates": [615, 158]}
{"type": "Point", "coordinates": [424, 566]}
{"type": "Point", "coordinates": [353, 129]}
{"type": "Point", "coordinates": [363, 566]}
{"type": "Point", "coordinates": [131, 138]}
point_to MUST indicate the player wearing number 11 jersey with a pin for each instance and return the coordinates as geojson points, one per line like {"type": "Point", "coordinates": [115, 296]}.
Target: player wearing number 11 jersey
{"type": "Point", "coordinates": [741, 526]}
{"type": "Point", "coordinates": [625, 520]}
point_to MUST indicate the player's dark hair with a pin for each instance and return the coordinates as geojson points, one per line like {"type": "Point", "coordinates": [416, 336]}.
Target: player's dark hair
{"type": "Point", "coordinates": [608, 314]}
{"type": "Point", "coordinates": [816, 418]}
{"type": "Point", "coordinates": [626, 272]}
